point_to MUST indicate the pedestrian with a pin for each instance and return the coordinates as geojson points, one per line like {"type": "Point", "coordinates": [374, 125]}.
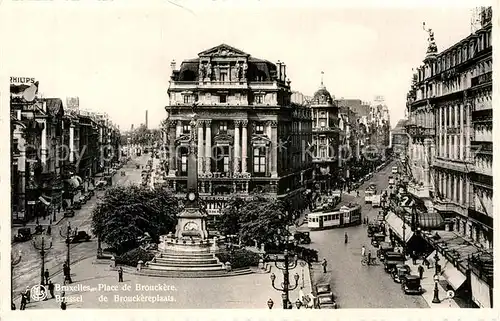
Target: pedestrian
{"type": "Point", "coordinates": [63, 304]}
{"type": "Point", "coordinates": [23, 301]}
{"type": "Point", "coordinates": [369, 257]}
{"type": "Point", "coordinates": [51, 289]}
{"type": "Point", "coordinates": [12, 306]}
{"type": "Point", "coordinates": [421, 271]}
{"type": "Point", "coordinates": [357, 193]}
{"type": "Point", "coordinates": [414, 257]}
{"type": "Point", "coordinates": [363, 251]}
{"type": "Point", "coordinates": [46, 275]}
{"type": "Point", "coordinates": [346, 238]}
{"type": "Point", "coordinates": [120, 274]}
{"type": "Point", "coordinates": [324, 263]}
{"type": "Point", "coordinates": [28, 294]}
{"type": "Point", "coordinates": [49, 230]}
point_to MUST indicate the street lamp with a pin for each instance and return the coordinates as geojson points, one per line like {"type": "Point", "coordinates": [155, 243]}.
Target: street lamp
{"type": "Point", "coordinates": [270, 303]}
{"type": "Point", "coordinates": [286, 286]}
{"type": "Point", "coordinates": [436, 290]}
{"type": "Point", "coordinates": [43, 248]}
{"type": "Point", "coordinates": [68, 243]}
{"type": "Point", "coordinates": [13, 262]}
{"type": "Point", "coordinates": [298, 304]}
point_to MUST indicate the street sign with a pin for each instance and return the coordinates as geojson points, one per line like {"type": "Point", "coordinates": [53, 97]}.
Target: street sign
{"type": "Point", "coordinates": [450, 294]}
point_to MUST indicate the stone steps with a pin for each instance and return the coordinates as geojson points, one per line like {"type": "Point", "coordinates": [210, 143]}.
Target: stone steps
{"type": "Point", "coordinates": [192, 274]}
{"type": "Point", "coordinates": [188, 261]}
{"type": "Point", "coordinates": [187, 255]}
{"type": "Point", "coordinates": [186, 267]}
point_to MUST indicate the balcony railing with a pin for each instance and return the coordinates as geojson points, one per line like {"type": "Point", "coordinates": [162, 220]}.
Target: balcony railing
{"type": "Point", "coordinates": [418, 131]}
{"type": "Point", "coordinates": [481, 217]}
{"type": "Point", "coordinates": [481, 179]}
{"type": "Point", "coordinates": [481, 79]}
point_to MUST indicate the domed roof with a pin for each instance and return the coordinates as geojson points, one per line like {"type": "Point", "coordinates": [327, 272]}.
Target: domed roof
{"type": "Point", "coordinates": [322, 96]}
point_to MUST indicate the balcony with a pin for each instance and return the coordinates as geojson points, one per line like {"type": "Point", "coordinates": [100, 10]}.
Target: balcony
{"type": "Point", "coordinates": [481, 217]}
{"type": "Point", "coordinates": [481, 179]}
{"type": "Point", "coordinates": [324, 129]}
{"type": "Point", "coordinates": [243, 84]}
{"type": "Point", "coordinates": [482, 115]}
{"type": "Point", "coordinates": [419, 131]}
{"type": "Point", "coordinates": [446, 205]}
{"type": "Point", "coordinates": [482, 147]}
{"type": "Point", "coordinates": [450, 164]}
{"type": "Point", "coordinates": [481, 79]}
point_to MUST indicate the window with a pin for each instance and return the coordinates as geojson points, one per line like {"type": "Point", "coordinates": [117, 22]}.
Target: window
{"type": "Point", "coordinates": [185, 129]}
{"type": "Point", "coordinates": [259, 129]}
{"type": "Point", "coordinates": [322, 152]}
{"type": "Point", "coordinates": [322, 123]}
{"type": "Point", "coordinates": [184, 164]}
{"type": "Point", "coordinates": [259, 160]}
{"type": "Point", "coordinates": [222, 98]}
{"type": "Point", "coordinates": [222, 159]}
{"type": "Point", "coordinates": [186, 99]}
{"type": "Point", "coordinates": [223, 126]}
{"type": "Point", "coordinates": [259, 99]}
{"type": "Point", "coordinates": [223, 76]}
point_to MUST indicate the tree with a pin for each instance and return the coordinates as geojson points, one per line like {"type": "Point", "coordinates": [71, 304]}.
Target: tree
{"type": "Point", "coordinates": [126, 213]}
{"type": "Point", "coordinates": [262, 219]}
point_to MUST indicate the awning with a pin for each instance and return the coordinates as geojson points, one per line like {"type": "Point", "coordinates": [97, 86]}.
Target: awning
{"type": "Point", "coordinates": [481, 293]}
{"type": "Point", "coordinates": [454, 277]}
{"type": "Point", "coordinates": [396, 225]}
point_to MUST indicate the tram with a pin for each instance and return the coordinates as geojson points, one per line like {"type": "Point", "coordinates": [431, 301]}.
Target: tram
{"type": "Point", "coordinates": [347, 215]}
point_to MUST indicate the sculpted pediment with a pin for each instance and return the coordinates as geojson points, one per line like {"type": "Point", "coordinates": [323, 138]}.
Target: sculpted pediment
{"type": "Point", "coordinates": [184, 138]}
{"type": "Point", "coordinates": [260, 139]}
{"type": "Point", "coordinates": [223, 50]}
{"type": "Point", "coordinates": [223, 138]}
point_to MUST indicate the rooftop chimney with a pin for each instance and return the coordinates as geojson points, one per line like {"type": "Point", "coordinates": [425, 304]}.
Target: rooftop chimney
{"type": "Point", "coordinates": [278, 64]}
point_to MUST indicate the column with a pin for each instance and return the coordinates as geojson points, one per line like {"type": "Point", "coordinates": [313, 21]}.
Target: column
{"type": "Point", "coordinates": [244, 143]}
{"type": "Point", "coordinates": [455, 188]}
{"type": "Point", "coordinates": [451, 141]}
{"type": "Point", "coordinates": [445, 132]}
{"type": "Point", "coordinates": [274, 148]}
{"type": "Point", "coordinates": [456, 136]}
{"type": "Point", "coordinates": [467, 131]}
{"type": "Point", "coordinates": [178, 129]}
{"type": "Point", "coordinates": [427, 144]}
{"type": "Point", "coordinates": [208, 146]}
{"type": "Point", "coordinates": [44, 145]}
{"type": "Point", "coordinates": [439, 127]}
{"type": "Point", "coordinates": [461, 190]}
{"type": "Point", "coordinates": [172, 152]}
{"type": "Point", "coordinates": [236, 157]}
{"type": "Point", "coordinates": [327, 118]}
{"type": "Point", "coordinates": [317, 118]}
{"type": "Point", "coordinates": [201, 152]}
{"type": "Point", "coordinates": [71, 142]}
{"type": "Point", "coordinates": [462, 131]}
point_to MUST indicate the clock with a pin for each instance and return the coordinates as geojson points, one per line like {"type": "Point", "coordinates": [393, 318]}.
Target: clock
{"type": "Point", "coordinates": [191, 196]}
{"type": "Point", "coordinates": [191, 226]}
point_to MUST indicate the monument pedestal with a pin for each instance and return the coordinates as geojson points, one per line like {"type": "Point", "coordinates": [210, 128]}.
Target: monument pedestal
{"type": "Point", "coordinates": [191, 224]}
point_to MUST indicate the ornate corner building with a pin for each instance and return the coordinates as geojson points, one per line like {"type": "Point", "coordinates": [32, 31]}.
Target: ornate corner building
{"type": "Point", "coordinates": [250, 137]}
{"type": "Point", "coordinates": [451, 147]}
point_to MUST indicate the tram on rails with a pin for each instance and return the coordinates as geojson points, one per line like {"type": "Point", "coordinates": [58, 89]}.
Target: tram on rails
{"type": "Point", "coordinates": [347, 215]}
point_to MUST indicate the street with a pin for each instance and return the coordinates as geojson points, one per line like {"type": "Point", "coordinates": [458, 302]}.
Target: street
{"type": "Point", "coordinates": [355, 285]}
{"type": "Point", "coordinates": [27, 272]}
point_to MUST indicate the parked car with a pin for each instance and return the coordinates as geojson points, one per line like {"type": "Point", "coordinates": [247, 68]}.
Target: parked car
{"type": "Point", "coordinates": [323, 288]}
{"type": "Point", "coordinates": [23, 235]}
{"type": "Point", "coordinates": [377, 238]}
{"type": "Point", "coordinates": [69, 212]}
{"type": "Point", "coordinates": [77, 205]}
{"type": "Point", "coordinates": [325, 301]}
{"type": "Point", "coordinates": [80, 236]}
{"type": "Point", "coordinates": [392, 259]}
{"type": "Point", "coordinates": [302, 237]}
{"type": "Point", "coordinates": [411, 285]}
{"type": "Point", "coordinates": [400, 273]}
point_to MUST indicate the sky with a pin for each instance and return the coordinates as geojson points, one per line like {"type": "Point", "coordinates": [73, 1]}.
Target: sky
{"type": "Point", "coordinates": [116, 58]}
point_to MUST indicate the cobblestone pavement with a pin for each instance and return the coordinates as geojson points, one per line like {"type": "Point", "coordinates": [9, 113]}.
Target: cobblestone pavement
{"type": "Point", "coordinates": [245, 291]}
{"type": "Point", "coordinates": [27, 272]}
{"type": "Point", "coordinates": [354, 285]}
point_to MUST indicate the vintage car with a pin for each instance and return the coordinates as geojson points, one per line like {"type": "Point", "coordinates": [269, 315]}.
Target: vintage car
{"type": "Point", "coordinates": [411, 285]}
{"type": "Point", "coordinates": [372, 229]}
{"type": "Point", "coordinates": [384, 247]}
{"type": "Point", "coordinates": [302, 237]}
{"type": "Point", "coordinates": [323, 288]}
{"type": "Point", "coordinates": [400, 272]}
{"type": "Point", "coordinates": [80, 236]}
{"type": "Point", "coordinates": [23, 235]}
{"type": "Point", "coordinates": [326, 301]}
{"type": "Point", "coordinates": [377, 238]}
{"type": "Point", "coordinates": [392, 259]}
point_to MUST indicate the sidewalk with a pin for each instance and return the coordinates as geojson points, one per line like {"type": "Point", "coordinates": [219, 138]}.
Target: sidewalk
{"type": "Point", "coordinates": [428, 286]}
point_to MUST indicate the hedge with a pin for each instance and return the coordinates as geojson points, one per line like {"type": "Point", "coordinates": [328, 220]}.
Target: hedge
{"type": "Point", "coordinates": [239, 258]}
{"type": "Point", "coordinates": [132, 257]}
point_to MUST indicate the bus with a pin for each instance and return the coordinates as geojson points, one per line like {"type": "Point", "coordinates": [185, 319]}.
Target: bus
{"type": "Point", "coordinates": [347, 215]}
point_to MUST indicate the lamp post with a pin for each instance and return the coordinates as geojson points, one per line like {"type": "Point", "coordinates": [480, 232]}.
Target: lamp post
{"type": "Point", "coordinates": [43, 248]}
{"type": "Point", "coordinates": [436, 290]}
{"type": "Point", "coordinates": [13, 263]}
{"type": "Point", "coordinates": [286, 286]}
{"type": "Point", "coordinates": [66, 236]}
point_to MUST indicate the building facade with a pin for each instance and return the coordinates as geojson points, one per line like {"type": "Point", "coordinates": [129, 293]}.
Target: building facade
{"type": "Point", "coordinates": [326, 137]}
{"type": "Point", "coordinates": [451, 146]}
{"type": "Point", "coordinates": [250, 136]}
{"type": "Point", "coordinates": [399, 140]}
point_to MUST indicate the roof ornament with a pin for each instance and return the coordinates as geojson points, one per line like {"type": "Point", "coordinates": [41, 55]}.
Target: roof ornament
{"type": "Point", "coordinates": [322, 74]}
{"type": "Point", "coordinates": [432, 48]}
